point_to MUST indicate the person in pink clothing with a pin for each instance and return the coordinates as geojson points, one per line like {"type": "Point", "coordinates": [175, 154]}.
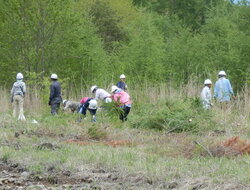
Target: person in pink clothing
{"type": "Point", "coordinates": [122, 99]}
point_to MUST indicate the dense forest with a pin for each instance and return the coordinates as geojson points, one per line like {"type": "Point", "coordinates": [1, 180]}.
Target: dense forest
{"type": "Point", "coordinates": [151, 41]}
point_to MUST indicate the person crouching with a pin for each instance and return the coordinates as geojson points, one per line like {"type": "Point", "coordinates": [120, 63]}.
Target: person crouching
{"type": "Point", "coordinates": [89, 104]}
{"type": "Point", "coordinates": [122, 99]}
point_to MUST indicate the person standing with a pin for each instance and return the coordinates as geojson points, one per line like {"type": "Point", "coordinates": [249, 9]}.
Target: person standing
{"type": "Point", "coordinates": [223, 90]}
{"type": "Point", "coordinates": [206, 95]}
{"type": "Point", "coordinates": [55, 95]}
{"type": "Point", "coordinates": [101, 94]}
{"type": "Point", "coordinates": [121, 84]}
{"type": "Point", "coordinates": [122, 99]}
{"type": "Point", "coordinates": [17, 97]}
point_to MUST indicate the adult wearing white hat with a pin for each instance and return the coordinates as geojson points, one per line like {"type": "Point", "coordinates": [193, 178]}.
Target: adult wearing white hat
{"type": "Point", "coordinates": [101, 94]}
{"type": "Point", "coordinates": [17, 96]}
{"type": "Point", "coordinates": [55, 94]}
{"type": "Point", "coordinates": [206, 95]}
{"type": "Point", "coordinates": [121, 84]}
{"type": "Point", "coordinates": [223, 90]}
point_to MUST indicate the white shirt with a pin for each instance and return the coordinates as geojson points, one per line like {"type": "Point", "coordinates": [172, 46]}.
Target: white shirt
{"type": "Point", "coordinates": [206, 97]}
{"type": "Point", "coordinates": [101, 94]}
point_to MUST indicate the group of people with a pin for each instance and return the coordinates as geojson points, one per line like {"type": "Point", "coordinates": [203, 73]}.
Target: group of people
{"type": "Point", "coordinates": [118, 95]}
{"type": "Point", "coordinates": [222, 92]}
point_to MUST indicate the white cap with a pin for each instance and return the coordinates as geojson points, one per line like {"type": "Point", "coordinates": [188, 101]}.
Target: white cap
{"type": "Point", "coordinates": [207, 81]}
{"type": "Point", "coordinates": [93, 104]}
{"type": "Point", "coordinates": [114, 88]}
{"type": "Point", "coordinates": [108, 100]}
{"type": "Point", "coordinates": [54, 76]}
{"type": "Point", "coordinates": [93, 88]}
{"type": "Point", "coordinates": [122, 76]}
{"type": "Point", "coordinates": [19, 76]}
{"type": "Point", "coordinates": [222, 73]}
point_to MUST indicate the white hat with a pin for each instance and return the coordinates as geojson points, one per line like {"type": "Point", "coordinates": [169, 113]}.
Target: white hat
{"type": "Point", "coordinates": [54, 76]}
{"type": "Point", "coordinates": [207, 81]}
{"type": "Point", "coordinates": [93, 104]}
{"type": "Point", "coordinates": [114, 88]}
{"type": "Point", "coordinates": [19, 76]}
{"type": "Point", "coordinates": [108, 100]}
{"type": "Point", "coordinates": [93, 88]}
{"type": "Point", "coordinates": [222, 73]}
{"type": "Point", "coordinates": [122, 76]}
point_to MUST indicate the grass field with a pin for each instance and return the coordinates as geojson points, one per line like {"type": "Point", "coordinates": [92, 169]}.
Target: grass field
{"type": "Point", "coordinates": [155, 149]}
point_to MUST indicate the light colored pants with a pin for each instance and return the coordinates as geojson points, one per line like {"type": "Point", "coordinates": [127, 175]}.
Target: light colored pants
{"type": "Point", "coordinates": [18, 107]}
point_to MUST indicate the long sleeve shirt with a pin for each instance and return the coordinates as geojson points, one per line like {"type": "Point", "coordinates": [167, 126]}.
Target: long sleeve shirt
{"type": "Point", "coordinates": [122, 85]}
{"type": "Point", "coordinates": [223, 90]}
{"type": "Point", "coordinates": [55, 92]}
{"type": "Point", "coordinates": [18, 88]}
{"type": "Point", "coordinates": [206, 97]}
{"type": "Point", "coordinates": [101, 94]}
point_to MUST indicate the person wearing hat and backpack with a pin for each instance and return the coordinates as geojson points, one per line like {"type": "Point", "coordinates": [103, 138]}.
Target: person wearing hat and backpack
{"type": "Point", "coordinates": [55, 95]}
{"type": "Point", "coordinates": [17, 97]}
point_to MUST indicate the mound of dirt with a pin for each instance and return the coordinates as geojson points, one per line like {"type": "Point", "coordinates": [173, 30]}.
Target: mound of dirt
{"type": "Point", "coordinates": [231, 147]}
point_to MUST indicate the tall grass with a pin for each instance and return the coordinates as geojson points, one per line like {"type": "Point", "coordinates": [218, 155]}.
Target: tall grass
{"type": "Point", "coordinates": [35, 100]}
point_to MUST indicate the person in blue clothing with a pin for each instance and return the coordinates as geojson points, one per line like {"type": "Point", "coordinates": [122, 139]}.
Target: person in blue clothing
{"type": "Point", "coordinates": [223, 90]}
{"type": "Point", "coordinates": [121, 84]}
{"type": "Point", "coordinates": [55, 95]}
{"type": "Point", "coordinates": [89, 104]}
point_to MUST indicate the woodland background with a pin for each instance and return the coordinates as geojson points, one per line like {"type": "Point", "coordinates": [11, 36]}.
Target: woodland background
{"type": "Point", "coordinates": [90, 42]}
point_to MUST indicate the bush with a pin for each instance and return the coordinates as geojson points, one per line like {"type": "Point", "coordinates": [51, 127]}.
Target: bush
{"type": "Point", "coordinates": [96, 133]}
{"type": "Point", "coordinates": [177, 115]}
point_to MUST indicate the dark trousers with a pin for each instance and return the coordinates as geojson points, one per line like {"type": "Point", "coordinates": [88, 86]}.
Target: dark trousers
{"type": "Point", "coordinates": [124, 113]}
{"type": "Point", "coordinates": [54, 108]}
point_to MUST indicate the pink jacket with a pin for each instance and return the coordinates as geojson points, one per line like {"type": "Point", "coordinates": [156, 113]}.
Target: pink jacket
{"type": "Point", "coordinates": [122, 98]}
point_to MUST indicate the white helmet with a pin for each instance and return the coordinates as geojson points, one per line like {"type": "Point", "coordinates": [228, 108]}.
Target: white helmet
{"type": "Point", "coordinates": [93, 104]}
{"type": "Point", "coordinates": [19, 76]}
{"type": "Point", "coordinates": [93, 88]}
{"type": "Point", "coordinates": [222, 73]}
{"type": "Point", "coordinates": [114, 88]}
{"type": "Point", "coordinates": [122, 76]}
{"type": "Point", "coordinates": [108, 100]}
{"type": "Point", "coordinates": [64, 101]}
{"type": "Point", "coordinates": [54, 76]}
{"type": "Point", "coordinates": [207, 81]}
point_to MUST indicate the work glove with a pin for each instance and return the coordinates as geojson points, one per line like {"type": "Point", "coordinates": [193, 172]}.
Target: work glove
{"type": "Point", "coordinates": [49, 103]}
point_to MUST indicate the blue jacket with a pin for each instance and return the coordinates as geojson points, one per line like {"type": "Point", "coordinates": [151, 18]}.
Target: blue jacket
{"type": "Point", "coordinates": [122, 85]}
{"type": "Point", "coordinates": [55, 92]}
{"type": "Point", "coordinates": [223, 90]}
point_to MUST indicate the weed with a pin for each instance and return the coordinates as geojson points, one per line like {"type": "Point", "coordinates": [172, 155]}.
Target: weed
{"type": "Point", "coordinates": [96, 133]}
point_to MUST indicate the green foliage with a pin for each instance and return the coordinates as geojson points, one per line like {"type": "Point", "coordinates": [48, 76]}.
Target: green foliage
{"type": "Point", "coordinates": [96, 132]}
{"type": "Point", "coordinates": [91, 42]}
{"type": "Point", "coordinates": [176, 115]}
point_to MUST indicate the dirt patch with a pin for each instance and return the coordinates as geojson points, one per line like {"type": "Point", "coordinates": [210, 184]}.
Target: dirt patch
{"type": "Point", "coordinates": [230, 148]}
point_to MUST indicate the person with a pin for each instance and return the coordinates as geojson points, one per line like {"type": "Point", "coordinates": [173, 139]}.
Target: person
{"type": "Point", "coordinates": [223, 90]}
{"type": "Point", "coordinates": [206, 95]}
{"type": "Point", "coordinates": [90, 104]}
{"type": "Point", "coordinates": [55, 95]}
{"type": "Point", "coordinates": [101, 94]}
{"type": "Point", "coordinates": [121, 84]}
{"type": "Point", "coordinates": [17, 97]}
{"type": "Point", "coordinates": [122, 99]}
